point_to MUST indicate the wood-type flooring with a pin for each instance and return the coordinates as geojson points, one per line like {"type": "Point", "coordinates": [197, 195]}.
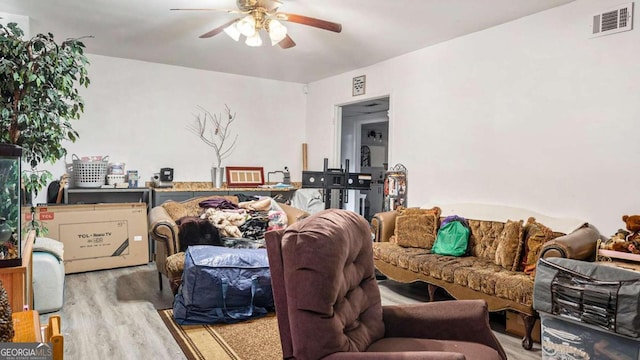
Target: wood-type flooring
{"type": "Point", "coordinates": [112, 314]}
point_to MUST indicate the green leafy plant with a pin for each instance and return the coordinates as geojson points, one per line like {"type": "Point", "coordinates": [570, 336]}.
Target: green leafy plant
{"type": "Point", "coordinates": [9, 192]}
{"type": "Point", "coordinates": [39, 82]}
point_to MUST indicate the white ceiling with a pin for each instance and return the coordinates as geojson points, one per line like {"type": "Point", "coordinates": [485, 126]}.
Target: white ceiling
{"type": "Point", "coordinates": [366, 107]}
{"type": "Point", "coordinates": [373, 31]}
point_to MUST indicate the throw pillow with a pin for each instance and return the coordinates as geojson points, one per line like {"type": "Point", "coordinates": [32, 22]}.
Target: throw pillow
{"type": "Point", "coordinates": [175, 210]}
{"type": "Point", "coordinates": [393, 239]}
{"type": "Point", "coordinates": [417, 227]}
{"type": "Point", "coordinates": [510, 245]}
{"type": "Point", "coordinates": [483, 241]}
{"type": "Point", "coordinates": [536, 235]}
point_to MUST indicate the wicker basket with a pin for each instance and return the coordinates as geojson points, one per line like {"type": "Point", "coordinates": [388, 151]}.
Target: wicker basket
{"type": "Point", "coordinates": [89, 173]}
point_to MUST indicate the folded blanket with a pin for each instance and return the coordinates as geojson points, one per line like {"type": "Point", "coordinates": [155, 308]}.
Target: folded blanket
{"type": "Point", "coordinates": [217, 203]}
{"type": "Point", "coordinates": [226, 222]}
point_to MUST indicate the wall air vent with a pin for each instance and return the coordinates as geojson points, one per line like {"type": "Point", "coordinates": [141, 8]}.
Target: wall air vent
{"type": "Point", "coordinates": [613, 21]}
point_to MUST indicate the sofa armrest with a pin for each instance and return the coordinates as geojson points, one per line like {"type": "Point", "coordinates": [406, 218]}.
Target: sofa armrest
{"type": "Point", "coordinates": [164, 229]}
{"type": "Point", "coordinates": [463, 320]}
{"type": "Point", "coordinates": [383, 225]}
{"type": "Point", "coordinates": [579, 245]}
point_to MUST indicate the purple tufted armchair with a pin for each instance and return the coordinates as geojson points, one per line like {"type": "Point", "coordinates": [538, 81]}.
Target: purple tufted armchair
{"type": "Point", "coordinates": [328, 303]}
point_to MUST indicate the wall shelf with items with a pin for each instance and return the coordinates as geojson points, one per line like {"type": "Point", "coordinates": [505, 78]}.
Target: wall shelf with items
{"type": "Point", "coordinates": [186, 190]}
{"type": "Point", "coordinates": [108, 195]}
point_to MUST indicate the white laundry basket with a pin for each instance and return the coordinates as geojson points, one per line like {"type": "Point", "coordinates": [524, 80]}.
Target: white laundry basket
{"type": "Point", "coordinates": [89, 173]}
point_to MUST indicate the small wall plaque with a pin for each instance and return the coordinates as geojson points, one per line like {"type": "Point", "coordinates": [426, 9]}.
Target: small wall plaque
{"type": "Point", "coordinates": [359, 83]}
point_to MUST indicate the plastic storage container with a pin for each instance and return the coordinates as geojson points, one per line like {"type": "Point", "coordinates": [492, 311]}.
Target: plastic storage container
{"type": "Point", "coordinates": [566, 339]}
{"type": "Point", "coordinates": [89, 172]}
{"type": "Point", "coordinates": [116, 169]}
{"type": "Point", "coordinates": [587, 310]}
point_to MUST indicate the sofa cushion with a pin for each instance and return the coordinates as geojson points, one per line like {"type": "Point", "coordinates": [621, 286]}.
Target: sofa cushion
{"type": "Point", "coordinates": [510, 245]}
{"type": "Point", "coordinates": [475, 273]}
{"type": "Point", "coordinates": [417, 227]}
{"type": "Point", "coordinates": [536, 234]}
{"type": "Point", "coordinates": [515, 286]}
{"type": "Point", "coordinates": [176, 210]}
{"type": "Point", "coordinates": [394, 254]}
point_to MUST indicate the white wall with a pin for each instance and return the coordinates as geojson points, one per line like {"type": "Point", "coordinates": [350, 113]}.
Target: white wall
{"type": "Point", "coordinates": [21, 20]}
{"type": "Point", "coordinates": [533, 113]}
{"type": "Point", "coordinates": [138, 113]}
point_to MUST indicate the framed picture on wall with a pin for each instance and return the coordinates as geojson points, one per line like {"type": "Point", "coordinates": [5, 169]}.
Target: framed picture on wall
{"type": "Point", "coordinates": [359, 85]}
{"type": "Point", "coordinates": [243, 176]}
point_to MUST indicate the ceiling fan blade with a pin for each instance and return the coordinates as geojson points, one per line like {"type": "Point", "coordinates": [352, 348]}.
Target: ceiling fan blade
{"type": "Point", "coordinates": [217, 30]}
{"type": "Point", "coordinates": [269, 4]}
{"type": "Point", "coordinates": [287, 42]}
{"type": "Point", "coordinates": [305, 20]}
{"type": "Point", "coordinates": [230, 11]}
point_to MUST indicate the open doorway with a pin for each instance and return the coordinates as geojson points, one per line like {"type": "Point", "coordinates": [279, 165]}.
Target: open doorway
{"type": "Point", "coordinates": [365, 143]}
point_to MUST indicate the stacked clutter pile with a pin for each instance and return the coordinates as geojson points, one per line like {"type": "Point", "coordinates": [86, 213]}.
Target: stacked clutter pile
{"type": "Point", "coordinates": [587, 310]}
{"type": "Point", "coordinates": [116, 177]}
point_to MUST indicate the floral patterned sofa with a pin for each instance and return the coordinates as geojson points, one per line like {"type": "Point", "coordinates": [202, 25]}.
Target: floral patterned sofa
{"type": "Point", "coordinates": [504, 246]}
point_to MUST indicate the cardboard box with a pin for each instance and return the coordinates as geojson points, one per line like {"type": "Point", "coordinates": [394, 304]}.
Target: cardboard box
{"type": "Point", "coordinates": [564, 338]}
{"type": "Point", "coordinates": [515, 326]}
{"type": "Point", "coordinates": [98, 236]}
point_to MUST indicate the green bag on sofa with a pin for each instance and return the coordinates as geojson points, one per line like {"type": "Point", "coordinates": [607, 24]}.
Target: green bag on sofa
{"type": "Point", "coordinates": [453, 239]}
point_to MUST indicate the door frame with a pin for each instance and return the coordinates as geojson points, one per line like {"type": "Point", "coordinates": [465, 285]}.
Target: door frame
{"type": "Point", "coordinates": [338, 140]}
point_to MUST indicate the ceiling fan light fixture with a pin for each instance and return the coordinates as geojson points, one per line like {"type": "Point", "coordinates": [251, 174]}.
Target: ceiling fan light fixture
{"type": "Point", "coordinates": [255, 15]}
{"type": "Point", "coordinates": [247, 26]}
{"type": "Point", "coordinates": [233, 32]}
{"type": "Point", "coordinates": [254, 40]}
{"type": "Point", "coordinates": [277, 31]}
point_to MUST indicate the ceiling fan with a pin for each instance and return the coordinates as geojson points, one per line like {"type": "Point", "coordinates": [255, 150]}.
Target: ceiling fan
{"type": "Point", "coordinates": [264, 14]}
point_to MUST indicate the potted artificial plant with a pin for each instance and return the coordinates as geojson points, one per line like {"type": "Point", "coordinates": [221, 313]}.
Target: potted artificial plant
{"type": "Point", "coordinates": [214, 131]}
{"type": "Point", "coordinates": [39, 82]}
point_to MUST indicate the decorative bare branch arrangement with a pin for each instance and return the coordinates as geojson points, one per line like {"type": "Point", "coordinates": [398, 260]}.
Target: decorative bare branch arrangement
{"type": "Point", "coordinates": [214, 131]}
